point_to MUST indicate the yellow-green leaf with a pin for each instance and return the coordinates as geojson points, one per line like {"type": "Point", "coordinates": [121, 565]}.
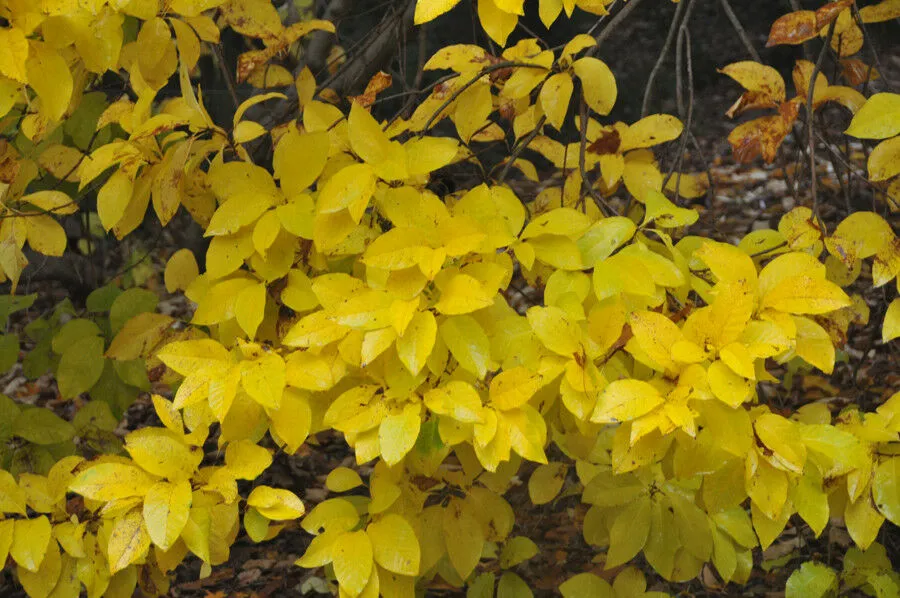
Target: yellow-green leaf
{"type": "Point", "coordinates": [128, 541]}
{"type": "Point", "coordinates": [276, 504]}
{"type": "Point", "coordinates": [597, 84]}
{"type": "Point", "coordinates": [879, 118]}
{"type": "Point", "coordinates": [111, 481]}
{"type": "Point", "coordinates": [352, 560]}
{"type": "Point", "coordinates": [167, 507]}
{"type": "Point", "coordinates": [30, 541]}
{"type": "Point", "coordinates": [395, 546]}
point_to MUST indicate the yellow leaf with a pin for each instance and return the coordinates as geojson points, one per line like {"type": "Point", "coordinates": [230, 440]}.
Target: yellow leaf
{"type": "Point", "coordinates": [113, 198]}
{"type": "Point", "coordinates": [428, 10]}
{"type": "Point", "coordinates": [629, 532]}
{"type": "Point", "coordinates": [276, 504]}
{"type": "Point", "coordinates": [554, 98]}
{"type": "Point", "coordinates": [395, 546]}
{"type": "Point", "coordinates": [332, 516]}
{"type": "Point", "coordinates": [473, 107]}
{"type": "Point", "coordinates": [728, 262]}
{"type": "Point", "coordinates": [264, 379]}
{"type": "Point", "coordinates": [527, 432]}
{"type": "Point", "coordinates": [799, 228]}
{"type": "Point", "coordinates": [191, 357]}
{"type": "Point", "coordinates": [858, 236]}
{"type": "Point", "coordinates": [730, 388]}
{"type": "Point", "coordinates": [884, 161]}
{"type": "Point", "coordinates": [167, 507]}
{"type": "Point", "coordinates": [604, 237]}
{"type": "Point", "coordinates": [309, 149]}
{"type": "Point", "coordinates": [246, 460]}
{"type": "Point", "coordinates": [398, 433]}
{"type": "Point", "coordinates": [886, 488]}
{"type": "Point", "coordinates": [468, 343]}
{"type": "Point", "coordinates": [416, 343]}
{"type": "Point", "coordinates": [666, 214]}
{"type": "Point", "coordinates": [546, 482]}
{"type": "Point", "coordinates": [427, 154]}
{"type": "Point", "coordinates": [399, 248]}
{"type": "Point", "coordinates": [163, 453]}
{"type": "Point", "coordinates": [46, 235]}
{"type": "Point", "coordinates": [805, 295]}
{"type": "Point", "coordinates": [15, 54]}
{"type": "Point", "coordinates": [863, 521]}
{"type": "Point", "coordinates": [462, 294]}
{"type": "Point", "coordinates": [342, 479]}
{"type": "Point", "coordinates": [12, 497]}
{"type": "Point", "coordinates": [128, 542]}
{"type": "Point", "coordinates": [31, 538]}
{"type": "Point", "coordinates": [780, 436]}
{"type": "Point", "coordinates": [352, 560]}
{"type": "Point", "coordinates": [456, 399]}
{"type": "Point", "coordinates": [891, 327]}
{"type": "Point", "coordinates": [649, 131]}
{"type": "Point", "coordinates": [766, 486]}
{"type": "Point", "coordinates": [879, 118]}
{"type": "Point", "coordinates": [497, 23]}
{"type": "Point", "coordinates": [367, 139]}
{"type": "Point", "coordinates": [314, 330]}
{"type": "Point", "coordinates": [463, 536]}
{"type": "Point", "coordinates": [111, 481]}
{"type": "Point", "coordinates": [44, 580]}
{"type": "Point", "coordinates": [656, 335]}
{"type": "Point", "coordinates": [292, 420]}
{"type": "Point", "coordinates": [758, 78]}
{"type": "Point", "coordinates": [249, 308]}
{"type": "Point", "coordinates": [555, 330]}
{"type": "Point", "coordinates": [247, 130]}
{"type": "Point", "coordinates": [49, 76]}
{"type": "Point", "coordinates": [814, 345]}
{"type": "Point", "coordinates": [181, 270]}
{"type": "Point", "coordinates": [350, 188]}
{"type": "Point", "coordinates": [597, 84]}
{"type": "Point", "coordinates": [625, 400]}
{"type": "Point", "coordinates": [513, 388]}
{"type": "Point", "coordinates": [55, 202]}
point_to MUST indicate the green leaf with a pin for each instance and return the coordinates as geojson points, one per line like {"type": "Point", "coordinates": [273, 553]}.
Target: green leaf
{"type": "Point", "coordinates": [811, 580]}
{"type": "Point", "coordinates": [10, 304]}
{"type": "Point", "coordinates": [513, 586]}
{"type": "Point", "coordinates": [72, 332]}
{"type": "Point", "coordinates": [102, 299]}
{"type": "Point", "coordinates": [129, 304]}
{"type": "Point", "coordinates": [9, 351]}
{"type": "Point", "coordinates": [585, 585]}
{"type": "Point", "coordinates": [94, 415]}
{"type": "Point", "coordinates": [42, 426]}
{"type": "Point", "coordinates": [9, 411]}
{"type": "Point", "coordinates": [80, 367]}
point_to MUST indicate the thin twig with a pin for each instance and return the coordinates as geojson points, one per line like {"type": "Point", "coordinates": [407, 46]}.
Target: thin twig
{"type": "Point", "coordinates": [520, 147]}
{"type": "Point", "coordinates": [458, 91]}
{"type": "Point", "coordinates": [226, 74]}
{"type": "Point", "coordinates": [867, 40]}
{"type": "Point", "coordinates": [810, 126]}
{"type": "Point", "coordinates": [670, 37]}
{"type": "Point", "coordinates": [585, 184]}
{"type": "Point", "coordinates": [608, 30]}
{"type": "Point", "coordinates": [685, 37]}
{"type": "Point", "coordinates": [736, 23]}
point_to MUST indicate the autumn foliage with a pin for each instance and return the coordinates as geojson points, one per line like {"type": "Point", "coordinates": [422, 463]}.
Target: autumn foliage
{"type": "Point", "coordinates": [580, 339]}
